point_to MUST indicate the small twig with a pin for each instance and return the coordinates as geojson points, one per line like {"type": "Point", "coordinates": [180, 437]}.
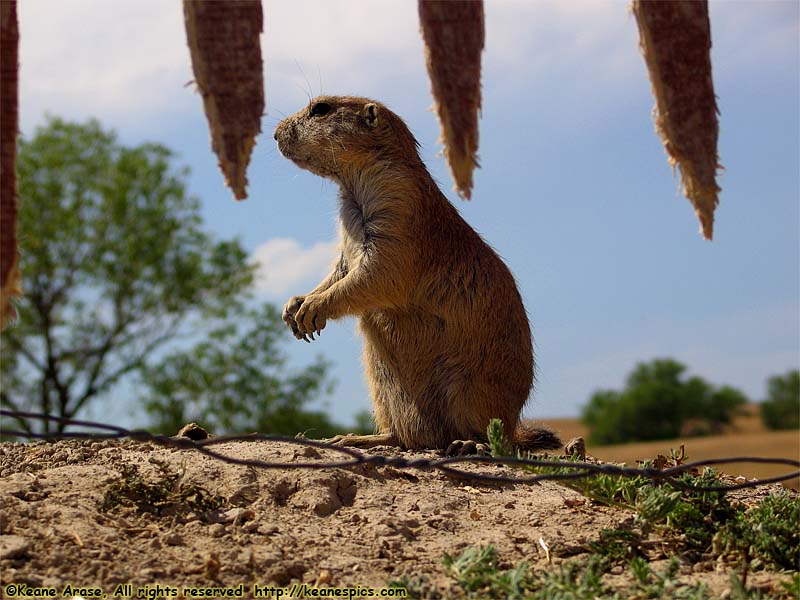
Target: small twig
{"type": "Point", "coordinates": [546, 549]}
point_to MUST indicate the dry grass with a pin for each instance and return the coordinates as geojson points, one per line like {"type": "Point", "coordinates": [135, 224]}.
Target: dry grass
{"type": "Point", "coordinates": [746, 436]}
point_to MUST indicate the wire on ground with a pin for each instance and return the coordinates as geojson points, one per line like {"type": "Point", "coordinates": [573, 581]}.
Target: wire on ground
{"type": "Point", "coordinates": [352, 457]}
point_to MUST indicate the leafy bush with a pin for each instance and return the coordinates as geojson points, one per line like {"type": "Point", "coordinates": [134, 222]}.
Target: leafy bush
{"type": "Point", "coordinates": [769, 531]}
{"type": "Point", "coordinates": [658, 402]}
{"type": "Point", "coordinates": [781, 409]}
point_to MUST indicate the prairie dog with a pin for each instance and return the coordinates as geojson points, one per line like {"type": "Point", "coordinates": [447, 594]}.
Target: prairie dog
{"type": "Point", "coordinates": [447, 344]}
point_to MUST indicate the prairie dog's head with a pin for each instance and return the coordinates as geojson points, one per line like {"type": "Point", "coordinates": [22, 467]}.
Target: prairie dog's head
{"type": "Point", "coordinates": [339, 136]}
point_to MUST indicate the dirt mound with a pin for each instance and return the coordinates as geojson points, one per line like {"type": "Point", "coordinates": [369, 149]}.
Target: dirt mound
{"type": "Point", "coordinates": [105, 513]}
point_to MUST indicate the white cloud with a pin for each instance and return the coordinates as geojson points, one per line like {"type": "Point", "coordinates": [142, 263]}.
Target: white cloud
{"type": "Point", "coordinates": [340, 41]}
{"type": "Point", "coordinates": [287, 269]}
{"type": "Point", "coordinates": [551, 36]}
{"type": "Point", "coordinates": [113, 60]}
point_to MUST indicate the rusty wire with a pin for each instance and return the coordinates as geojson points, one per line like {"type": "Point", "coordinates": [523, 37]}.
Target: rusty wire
{"type": "Point", "coordinates": [352, 457]}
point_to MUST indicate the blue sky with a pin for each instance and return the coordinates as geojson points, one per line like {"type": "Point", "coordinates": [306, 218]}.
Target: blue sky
{"type": "Point", "coordinates": [574, 189]}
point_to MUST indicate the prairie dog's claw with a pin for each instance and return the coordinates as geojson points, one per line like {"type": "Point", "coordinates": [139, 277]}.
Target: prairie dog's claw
{"type": "Point", "coordinates": [289, 311]}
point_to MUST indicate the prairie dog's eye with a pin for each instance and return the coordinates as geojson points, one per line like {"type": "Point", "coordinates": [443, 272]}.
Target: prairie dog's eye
{"type": "Point", "coordinates": [320, 109]}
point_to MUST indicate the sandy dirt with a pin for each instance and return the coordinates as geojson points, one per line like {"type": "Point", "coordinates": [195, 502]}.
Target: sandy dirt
{"type": "Point", "coordinates": [345, 527]}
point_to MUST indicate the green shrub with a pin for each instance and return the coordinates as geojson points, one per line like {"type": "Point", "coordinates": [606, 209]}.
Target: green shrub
{"type": "Point", "coordinates": [781, 409]}
{"type": "Point", "coordinates": [659, 403]}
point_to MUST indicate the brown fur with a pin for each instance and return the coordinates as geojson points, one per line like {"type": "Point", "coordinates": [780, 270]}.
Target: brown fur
{"type": "Point", "coordinates": [447, 345]}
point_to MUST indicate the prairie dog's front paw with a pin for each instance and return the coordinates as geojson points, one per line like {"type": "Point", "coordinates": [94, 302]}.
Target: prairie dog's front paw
{"type": "Point", "coordinates": [289, 311]}
{"type": "Point", "coordinates": [311, 317]}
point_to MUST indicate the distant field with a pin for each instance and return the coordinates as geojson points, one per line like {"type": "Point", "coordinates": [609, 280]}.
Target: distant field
{"type": "Point", "coordinates": [745, 437]}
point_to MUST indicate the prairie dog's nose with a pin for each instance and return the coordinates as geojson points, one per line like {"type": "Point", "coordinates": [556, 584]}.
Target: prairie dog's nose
{"type": "Point", "coordinates": [275, 135]}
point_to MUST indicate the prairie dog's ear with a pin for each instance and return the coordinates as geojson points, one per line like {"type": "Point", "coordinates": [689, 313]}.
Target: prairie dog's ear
{"type": "Point", "coordinates": [371, 114]}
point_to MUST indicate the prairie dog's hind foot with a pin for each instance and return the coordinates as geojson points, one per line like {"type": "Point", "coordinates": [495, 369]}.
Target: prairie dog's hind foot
{"type": "Point", "coordinates": [352, 440]}
{"type": "Point", "coordinates": [467, 448]}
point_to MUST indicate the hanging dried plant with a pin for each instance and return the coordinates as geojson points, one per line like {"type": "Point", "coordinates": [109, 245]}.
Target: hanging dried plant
{"type": "Point", "coordinates": [675, 38]}
{"type": "Point", "coordinates": [454, 37]}
{"type": "Point", "coordinates": [224, 42]}
{"type": "Point", "coordinates": [10, 283]}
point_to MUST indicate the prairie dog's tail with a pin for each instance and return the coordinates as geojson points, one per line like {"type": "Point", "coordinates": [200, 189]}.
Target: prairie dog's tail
{"type": "Point", "coordinates": [529, 438]}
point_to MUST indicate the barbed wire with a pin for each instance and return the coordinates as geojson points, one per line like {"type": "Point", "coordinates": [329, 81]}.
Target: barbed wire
{"type": "Point", "coordinates": [579, 470]}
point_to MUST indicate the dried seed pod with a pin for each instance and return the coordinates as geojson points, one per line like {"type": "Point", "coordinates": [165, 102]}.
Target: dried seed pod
{"type": "Point", "coordinates": [454, 36]}
{"type": "Point", "coordinates": [675, 39]}
{"type": "Point", "coordinates": [10, 283]}
{"type": "Point", "coordinates": [223, 38]}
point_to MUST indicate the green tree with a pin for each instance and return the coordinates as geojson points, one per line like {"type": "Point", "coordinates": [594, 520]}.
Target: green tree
{"type": "Point", "coordinates": [235, 381]}
{"type": "Point", "coordinates": [781, 409]}
{"type": "Point", "coordinates": [118, 273]}
{"type": "Point", "coordinates": [659, 402]}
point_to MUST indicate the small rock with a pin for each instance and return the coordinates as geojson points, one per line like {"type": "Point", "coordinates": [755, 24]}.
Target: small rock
{"type": "Point", "coordinates": [245, 495]}
{"type": "Point", "coordinates": [410, 522]}
{"type": "Point", "coordinates": [576, 446]}
{"type": "Point", "coordinates": [617, 570]}
{"type": "Point", "coordinates": [251, 527]}
{"type": "Point", "coordinates": [234, 515]}
{"type": "Point", "coordinates": [284, 573]}
{"type": "Point", "coordinates": [173, 539]}
{"type": "Point", "coordinates": [268, 529]}
{"type": "Point", "coordinates": [13, 546]}
{"type": "Point", "coordinates": [324, 577]}
{"type": "Point", "coordinates": [59, 456]}
{"type": "Point", "coordinates": [212, 566]}
{"type": "Point", "coordinates": [193, 431]}
{"type": "Point", "coordinates": [519, 539]}
{"type": "Point", "coordinates": [307, 452]}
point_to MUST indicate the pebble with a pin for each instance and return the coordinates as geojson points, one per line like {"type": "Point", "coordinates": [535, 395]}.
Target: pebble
{"type": "Point", "coordinates": [324, 577]}
{"type": "Point", "coordinates": [13, 546]}
{"type": "Point", "coordinates": [251, 527]}
{"type": "Point", "coordinates": [173, 539]}
{"type": "Point", "coordinates": [268, 529]}
{"type": "Point", "coordinates": [234, 515]}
